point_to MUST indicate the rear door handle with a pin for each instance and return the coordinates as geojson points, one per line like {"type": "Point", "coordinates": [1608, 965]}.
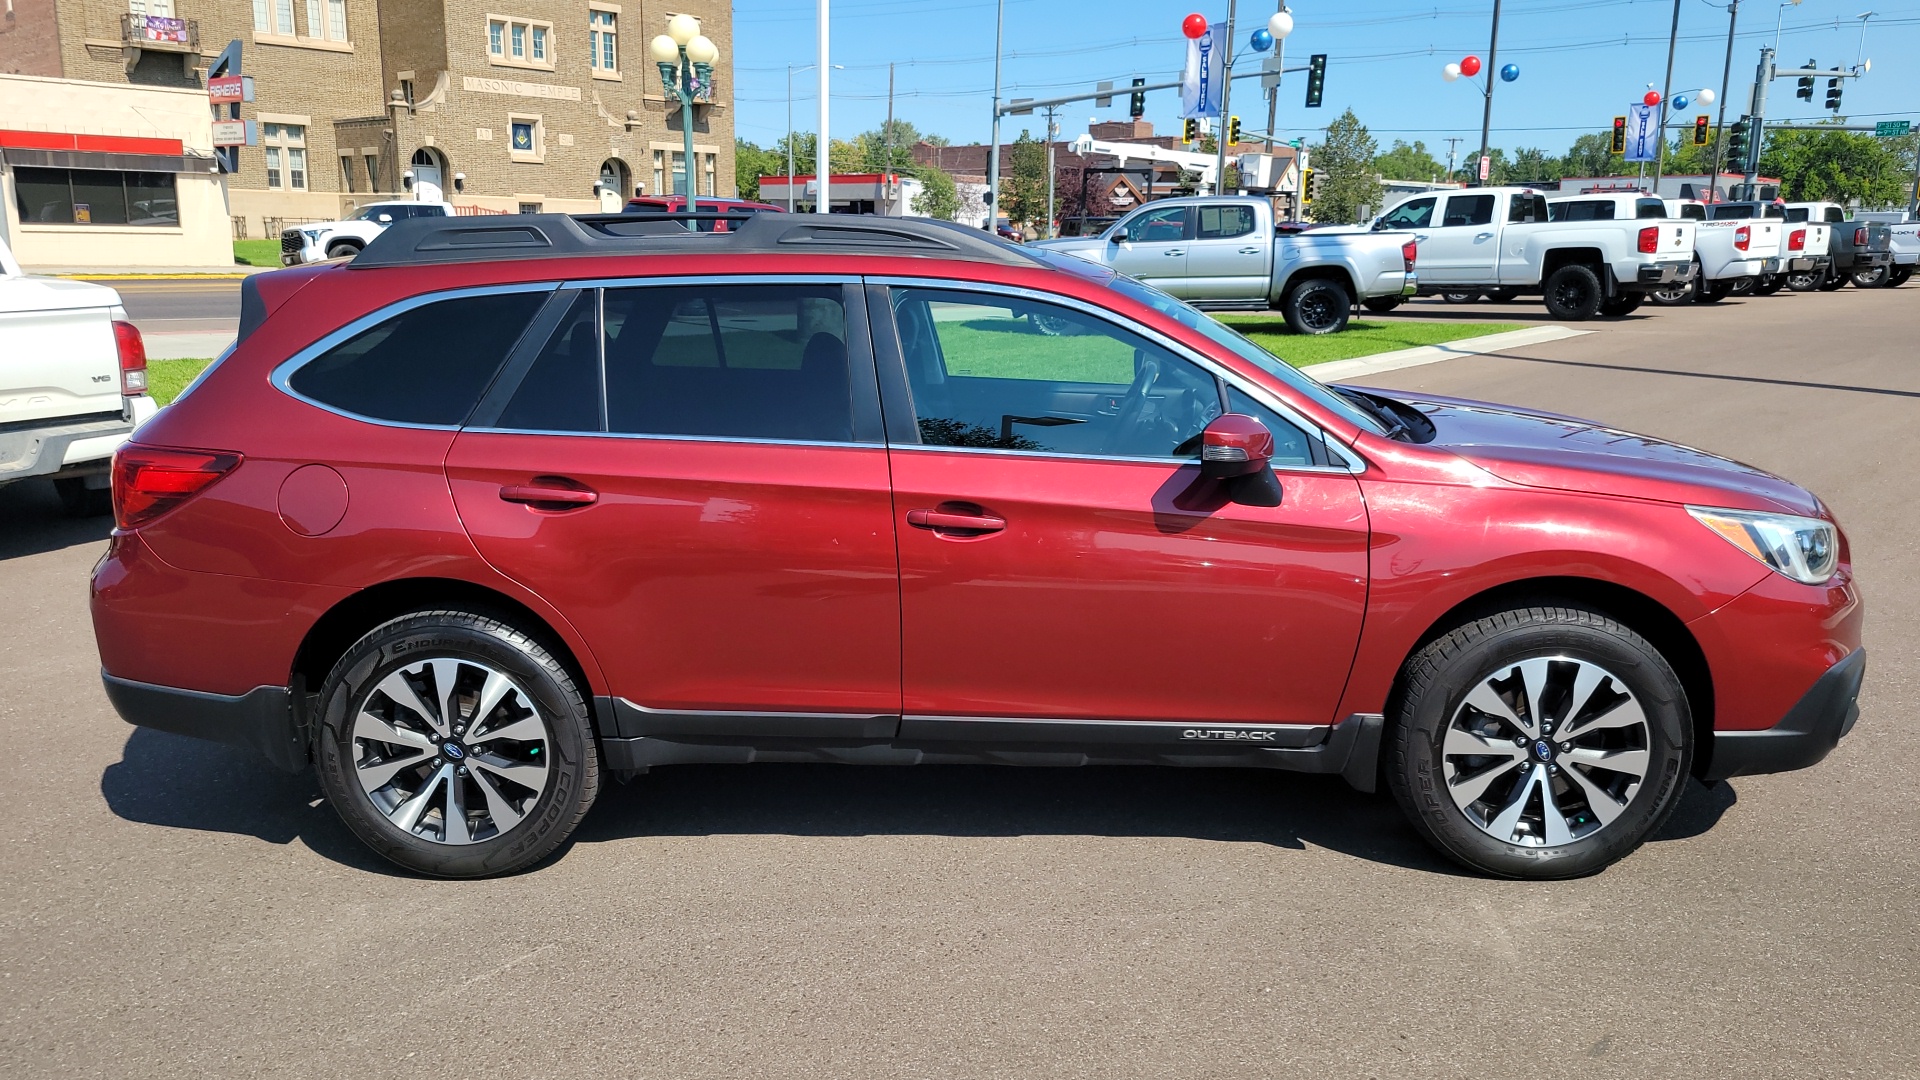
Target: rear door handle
{"type": "Point", "coordinates": [550, 493]}
{"type": "Point", "coordinates": [1251, 250]}
{"type": "Point", "coordinates": [941, 520]}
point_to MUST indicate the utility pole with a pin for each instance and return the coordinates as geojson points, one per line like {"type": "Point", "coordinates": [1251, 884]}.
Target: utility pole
{"type": "Point", "coordinates": [1666, 89]}
{"type": "Point", "coordinates": [822, 158]}
{"type": "Point", "coordinates": [1053, 133]}
{"type": "Point", "coordinates": [1453, 143]}
{"type": "Point", "coordinates": [886, 133]}
{"type": "Point", "coordinates": [1226, 96]}
{"type": "Point", "coordinates": [1762, 77]}
{"type": "Point", "coordinates": [789, 138]}
{"type": "Point", "coordinates": [993, 154]}
{"type": "Point", "coordinates": [1720, 122]}
{"type": "Point", "coordinates": [1486, 115]}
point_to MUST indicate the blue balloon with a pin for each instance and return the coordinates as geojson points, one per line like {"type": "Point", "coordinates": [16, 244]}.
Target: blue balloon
{"type": "Point", "coordinates": [1510, 72]}
{"type": "Point", "coordinates": [1681, 101]}
{"type": "Point", "coordinates": [1262, 40]}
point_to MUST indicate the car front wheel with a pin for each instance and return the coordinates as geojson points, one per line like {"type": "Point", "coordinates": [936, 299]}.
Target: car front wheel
{"type": "Point", "coordinates": [1803, 280]}
{"type": "Point", "coordinates": [1870, 279]}
{"type": "Point", "coordinates": [456, 745]}
{"type": "Point", "coordinates": [1540, 742]}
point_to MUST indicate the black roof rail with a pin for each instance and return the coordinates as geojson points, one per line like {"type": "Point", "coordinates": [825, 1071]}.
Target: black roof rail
{"type": "Point", "coordinates": [439, 240]}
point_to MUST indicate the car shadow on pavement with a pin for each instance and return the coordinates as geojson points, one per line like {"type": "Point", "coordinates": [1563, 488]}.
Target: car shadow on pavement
{"type": "Point", "coordinates": [32, 522]}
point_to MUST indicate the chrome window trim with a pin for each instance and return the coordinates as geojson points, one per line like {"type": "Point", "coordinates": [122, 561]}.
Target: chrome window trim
{"type": "Point", "coordinates": [711, 279]}
{"type": "Point", "coordinates": [284, 372]}
{"type": "Point", "coordinates": [740, 440]}
{"type": "Point", "coordinates": [1258, 393]}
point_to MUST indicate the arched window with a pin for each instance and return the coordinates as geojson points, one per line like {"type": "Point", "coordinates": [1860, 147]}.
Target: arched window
{"type": "Point", "coordinates": [616, 177]}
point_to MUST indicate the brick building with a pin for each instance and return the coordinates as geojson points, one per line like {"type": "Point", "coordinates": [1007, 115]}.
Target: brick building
{"type": "Point", "coordinates": [500, 105]}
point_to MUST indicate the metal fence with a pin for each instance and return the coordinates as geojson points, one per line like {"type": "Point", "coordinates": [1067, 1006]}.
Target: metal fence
{"type": "Point", "coordinates": [239, 227]}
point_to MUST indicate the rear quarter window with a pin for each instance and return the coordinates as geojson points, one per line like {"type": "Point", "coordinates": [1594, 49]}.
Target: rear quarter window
{"type": "Point", "coordinates": [426, 365]}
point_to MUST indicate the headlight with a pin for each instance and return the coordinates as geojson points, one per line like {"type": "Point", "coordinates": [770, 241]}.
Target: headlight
{"type": "Point", "coordinates": [1804, 549]}
{"type": "Point", "coordinates": [311, 234]}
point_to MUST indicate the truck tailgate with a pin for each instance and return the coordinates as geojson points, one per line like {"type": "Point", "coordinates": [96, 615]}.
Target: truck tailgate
{"type": "Point", "coordinates": [58, 357]}
{"type": "Point", "coordinates": [1676, 239]}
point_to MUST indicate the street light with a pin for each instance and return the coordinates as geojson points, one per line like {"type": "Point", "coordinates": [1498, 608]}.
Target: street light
{"type": "Point", "coordinates": [686, 58]}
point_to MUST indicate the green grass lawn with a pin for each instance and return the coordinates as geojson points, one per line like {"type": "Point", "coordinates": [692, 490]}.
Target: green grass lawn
{"type": "Point", "coordinates": [166, 378]}
{"type": "Point", "coordinates": [1361, 337]}
{"type": "Point", "coordinates": [256, 252]}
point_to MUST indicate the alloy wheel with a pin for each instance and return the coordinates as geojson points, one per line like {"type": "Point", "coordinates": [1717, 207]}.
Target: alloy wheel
{"type": "Point", "coordinates": [1319, 311]}
{"type": "Point", "coordinates": [1546, 751]}
{"type": "Point", "coordinates": [451, 750]}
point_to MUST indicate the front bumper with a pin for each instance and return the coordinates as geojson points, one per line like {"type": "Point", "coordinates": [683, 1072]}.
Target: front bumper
{"type": "Point", "coordinates": [261, 719]}
{"type": "Point", "coordinates": [1809, 732]}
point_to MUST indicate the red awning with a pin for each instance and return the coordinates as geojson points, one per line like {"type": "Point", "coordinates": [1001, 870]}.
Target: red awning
{"type": "Point", "coordinates": [99, 144]}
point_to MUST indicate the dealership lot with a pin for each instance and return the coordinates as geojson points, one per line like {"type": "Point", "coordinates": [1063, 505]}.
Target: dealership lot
{"type": "Point", "coordinates": [176, 908]}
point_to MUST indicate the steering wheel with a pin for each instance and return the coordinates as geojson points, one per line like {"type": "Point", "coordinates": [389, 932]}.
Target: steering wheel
{"type": "Point", "coordinates": [1146, 373]}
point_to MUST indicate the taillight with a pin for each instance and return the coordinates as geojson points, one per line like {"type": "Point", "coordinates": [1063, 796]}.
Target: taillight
{"type": "Point", "coordinates": [1742, 236]}
{"type": "Point", "coordinates": [1797, 240]}
{"type": "Point", "coordinates": [1409, 251]}
{"type": "Point", "coordinates": [1860, 237]}
{"type": "Point", "coordinates": [1650, 239]}
{"type": "Point", "coordinates": [148, 481]}
{"type": "Point", "coordinates": [133, 358]}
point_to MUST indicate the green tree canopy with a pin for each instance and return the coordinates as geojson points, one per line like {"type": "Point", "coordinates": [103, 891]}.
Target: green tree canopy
{"type": "Point", "coordinates": [1345, 180]}
{"type": "Point", "coordinates": [1023, 190]}
{"type": "Point", "coordinates": [1840, 166]}
{"type": "Point", "coordinates": [1591, 155]}
{"type": "Point", "coordinates": [938, 198]}
{"type": "Point", "coordinates": [1404, 162]}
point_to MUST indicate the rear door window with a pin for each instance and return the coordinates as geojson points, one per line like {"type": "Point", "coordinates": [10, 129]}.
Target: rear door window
{"type": "Point", "coordinates": [1225, 222]}
{"type": "Point", "coordinates": [1469, 210]}
{"type": "Point", "coordinates": [1584, 210]}
{"type": "Point", "coordinates": [1649, 208]}
{"type": "Point", "coordinates": [426, 365]}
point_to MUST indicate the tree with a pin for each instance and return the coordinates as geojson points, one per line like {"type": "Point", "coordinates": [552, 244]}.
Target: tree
{"type": "Point", "coordinates": [1532, 163]}
{"type": "Point", "coordinates": [938, 197]}
{"type": "Point", "coordinates": [1591, 155]}
{"type": "Point", "coordinates": [1839, 166]}
{"type": "Point", "coordinates": [750, 163]}
{"type": "Point", "coordinates": [1023, 190]}
{"type": "Point", "coordinates": [1069, 181]}
{"type": "Point", "coordinates": [1404, 162]}
{"type": "Point", "coordinates": [1345, 182]}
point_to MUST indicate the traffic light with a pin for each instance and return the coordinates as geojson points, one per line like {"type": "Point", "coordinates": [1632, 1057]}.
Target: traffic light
{"type": "Point", "coordinates": [1190, 131]}
{"type": "Point", "coordinates": [1233, 131]}
{"type": "Point", "coordinates": [1306, 187]}
{"type": "Point", "coordinates": [1316, 79]}
{"type": "Point", "coordinates": [1137, 104]}
{"type": "Point", "coordinates": [1700, 131]}
{"type": "Point", "coordinates": [1737, 144]}
{"type": "Point", "coordinates": [1833, 94]}
{"type": "Point", "coordinates": [1619, 143]}
{"type": "Point", "coordinates": [1805, 86]}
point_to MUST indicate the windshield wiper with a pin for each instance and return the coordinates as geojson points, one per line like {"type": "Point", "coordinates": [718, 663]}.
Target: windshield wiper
{"type": "Point", "coordinates": [1396, 428]}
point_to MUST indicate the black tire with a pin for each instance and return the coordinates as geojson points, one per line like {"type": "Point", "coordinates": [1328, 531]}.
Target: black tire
{"type": "Point", "coordinates": [570, 780]}
{"type": "Point", "coordinates": [1623, 304]}
{"type": "Point", "coordinates": [1573, 293]}
{"type": "Point", "coordinates": [78, 500]}
{"type": "Point", "coordinates": [1461, 296]}
{"type": "Point", "coordinates": [1769, 284]}
{"type": "Point", "coordinates": [1834, 281]}
{"type": "Point", "coordinates": [1318, 306]}
{"type": "Point", "coordinates": [1503, 294]}
{"type": "Point", "coordinates": [1869, 279]}
{"type": "Point", "coordinates": [1899, 276]}
{"type": "Point", "coordinates": [1055, 326]}
{"type": "Point", "coordinates": [1434, 686]}
{"type": "Point", "coordinates": [342, 251]}
{"type": "Point", "coordinates": [1804, 280]}
{"type": "Point", "coordinates": [1382, 304]}
{"type": "Point", "coordinates": [1742, 286]}
{"type": "Point", "coordinates": [1712, 292]}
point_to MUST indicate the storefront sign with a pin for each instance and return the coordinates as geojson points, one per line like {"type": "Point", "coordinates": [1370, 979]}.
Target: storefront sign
{"type": "Point", "coordinates": [229, 133]}
{"type": "Point", "coordinates": [224, 91]}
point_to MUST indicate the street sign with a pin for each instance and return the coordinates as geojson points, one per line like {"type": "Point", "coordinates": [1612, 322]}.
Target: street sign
{"type": "Point", "coordinates": [1892, 128]}
{"type": "Point", "coordinates": [1270, 72]}
{"type": "Point", "coordinates": [225, 90]}
{"type": "Point", "coordinates": [1486, 167]}
{"type": "Point", "coordinates": [1105, 101]}
{"type": "Point", "coordinates": [1020, 112]}
{"type": "Point", "coordinates": [1643, 133]}
{"type": "Point", "coordinates": [229, 133]}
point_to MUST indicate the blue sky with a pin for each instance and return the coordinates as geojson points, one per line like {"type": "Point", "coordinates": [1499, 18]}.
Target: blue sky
{"type": "Point", "coordinates": [1581, 62]}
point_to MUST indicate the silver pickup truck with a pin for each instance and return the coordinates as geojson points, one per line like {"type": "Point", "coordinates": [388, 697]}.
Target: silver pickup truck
{"type": "Point", "coordinates": [1226, 252]}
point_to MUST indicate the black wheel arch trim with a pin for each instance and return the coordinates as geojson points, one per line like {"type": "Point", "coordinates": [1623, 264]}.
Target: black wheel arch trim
{"type": "Point", "coordinates": [1806, 735]}
{"type": "Point", "coordinates": [261, 719]}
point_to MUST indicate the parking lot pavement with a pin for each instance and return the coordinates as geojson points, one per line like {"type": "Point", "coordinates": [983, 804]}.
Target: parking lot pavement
{"type": "Point", "coordinates": [172, 908]}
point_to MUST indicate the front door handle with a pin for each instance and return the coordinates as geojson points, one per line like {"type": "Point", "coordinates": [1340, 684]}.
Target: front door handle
{"type": "Point", "coordinates": [1174, 251]}
{"type": "Point", "coordinates": [957, 519]}
{"type": "Point", "coordinates": [1483, 236]}
{"type": "Point", "coordinates": [550, 493]}
{"type": "Point", "coordinates": [1251, 250]}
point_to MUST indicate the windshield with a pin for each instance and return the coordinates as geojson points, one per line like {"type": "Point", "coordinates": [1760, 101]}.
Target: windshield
{"type": "Point", "coordinates": [1237, 343]}
{"type": "Point", "coordinates": [369, 213]}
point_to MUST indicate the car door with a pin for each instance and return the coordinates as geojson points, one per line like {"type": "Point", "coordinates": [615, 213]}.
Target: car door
{"type": "Point", "coordinates": [695, 477]}
{"type": "Point", "coordinates": [1064, 568]}
{"type": "Point", "coordinates": [1463, 247]}
{"type": "Point", "coordinates": [1228, 259]}
{"type": "Point", "coordinates": [1155, 247]}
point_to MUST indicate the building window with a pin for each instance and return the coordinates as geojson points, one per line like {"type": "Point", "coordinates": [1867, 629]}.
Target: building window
{"type": "Point", "coordinates": [526, 139]}
{"type": "Point", "coordinates": [337, 19]}
{"type": "Point", "coordinates": [529, 207]}
{"type": "Point", "coordinates": [710, 181]}
{"type": "Point", "coordinates": [659, 172]}
{"type": "Point", "coordinates": [286, 150]}
{"type": "Point", "coordinates": [159, 8]}
{"type": "Point", "coordinates": [94, 197]}
{"type": "Point", "coordinates": [314, 16]}
{"type": "Point", "coordinates": [261, 25]}
{"type": "Point", "coordinates": [519, 42]}
{"type": "Point", "coordinates": [373, 172]}
{"type": "Point", "coordinates": [346, 173]}
{"type": "Point", "coordinates": [603, 37]}
{"type": "Point", "coordinates": [283, 17]}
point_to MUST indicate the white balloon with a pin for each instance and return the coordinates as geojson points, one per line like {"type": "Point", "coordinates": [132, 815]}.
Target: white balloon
{"type": "Point", "coordinates": [1705, 97]}
{"type": "Point", "coordinates": [1280, 25]}
{"type": "Point", "coordinates": [683, 28]}
{"type": "Point", "coordinates": [1450, 72]}
{"type": "Point", "coordinates": [664, 50]}
{"type": "Point", "coordinates": [702, 50]}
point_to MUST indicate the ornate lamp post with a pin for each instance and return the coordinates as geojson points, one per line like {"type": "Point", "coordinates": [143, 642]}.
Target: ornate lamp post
{"type": "Point", "coordinates": [686, 58]}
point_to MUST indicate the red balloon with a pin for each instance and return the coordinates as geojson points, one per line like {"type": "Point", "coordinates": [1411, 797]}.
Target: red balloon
{"type": "Point", "coordinates": [1194, 25]}
{"type": "Point", "coordinates": [1470, 66]}
{"type": "Point", "coordinates": [1652, 98]}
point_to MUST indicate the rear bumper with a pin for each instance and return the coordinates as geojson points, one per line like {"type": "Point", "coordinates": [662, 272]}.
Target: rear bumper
{"type": "Point", "coordinates": [1809, 732]}
{"type": "Point", "coordinates": [1655, 275]}
{"type": "Point", "coordinates": [1411, 287]}
{"type": "Point", "coordinates": [261, 719]}
{"type": "Point", "coordinates": [1797, 264]}
{"type": "Point", "coordinates": [73, 447]}
{"type": "Point", "coordinates": [1864, 260]}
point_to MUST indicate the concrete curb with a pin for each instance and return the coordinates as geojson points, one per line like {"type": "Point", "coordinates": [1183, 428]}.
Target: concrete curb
{"type": "Point", "coordinates": [1340, 370]}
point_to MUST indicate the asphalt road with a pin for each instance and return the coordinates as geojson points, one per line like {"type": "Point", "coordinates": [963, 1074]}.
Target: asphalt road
{"type": "Point", "coordinates": [171, 908]}
{"type": "Point", "coordinates": [182, 316]}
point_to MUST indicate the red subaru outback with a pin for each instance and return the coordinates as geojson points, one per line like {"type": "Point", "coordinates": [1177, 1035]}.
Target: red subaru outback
{"type": "Point", "coordinates": [496, 510]}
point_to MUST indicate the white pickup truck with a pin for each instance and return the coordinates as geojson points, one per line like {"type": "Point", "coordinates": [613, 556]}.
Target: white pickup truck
{"type": "Point", "coordinates": [1904, 235]}
{"type": "Point", "coordinates": [73, 384]}
{"type": "Point", "coordinates": [1732, 257]}
{"type": "Point", "coordinates": [344, 239]}
{"type": "Point", "coordinates": [1502, 239]}
{"type": "Point", "coordinates": [1804, 256]}
{"type": "Point", "coordinates": [1226, 252]}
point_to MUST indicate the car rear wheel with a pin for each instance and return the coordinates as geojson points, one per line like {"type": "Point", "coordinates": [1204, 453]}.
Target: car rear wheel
{"type": "Point", "coordinates": [1573, 293]}
{"type": "Point", "coordinates": [1741, 286]}
{"type": "Point", "coordinates": [1382, 304]}
{"type": "Point", "coordinates": [1804, 280]}
{"type": "Point", "coordinates": [1318, 306]}
{"type": "Point", "coordinates": [1712, 292]}
{"type": "Point", "coordinates": [1672, 295]}
{"type": "Point", "coordinates": [79, 500]}
{"type": "Point", "coordinates": [1769, 284]}
{"type": "Point", "coordinates": [1541, 742]}
{"type": "Point", "coordinates": [456, 745]}
{"type": "Point", "coordinates": [1834, 281]}
{"type": "Point", "coordinates": [1502, 294]}
{"type": "Point", "coordinates": [1899, 276]}
{"type": "Point", "coordinates": [1461, 296]}
{"type": "Point", "coordinates": [1624, 304]}
{"type": "Point", "coordinates": [1870, 279]}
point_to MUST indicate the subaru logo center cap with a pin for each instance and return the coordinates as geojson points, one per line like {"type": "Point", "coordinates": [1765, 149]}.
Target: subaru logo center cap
{"type": "Point", "coordinates": [455, 751]}
{"type": "Point", "coordinates": [1541, 750]}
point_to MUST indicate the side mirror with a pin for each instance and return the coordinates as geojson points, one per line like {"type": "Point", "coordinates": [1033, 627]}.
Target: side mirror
{"type": "Point", "coordinates": [1117, 236]}
{"type": "Point", "coordinates": [1380, 226]}
{"type": "Point", "coordinates": [1234, 445]}
{"type": "Point", "coordinates": [385, 219]}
